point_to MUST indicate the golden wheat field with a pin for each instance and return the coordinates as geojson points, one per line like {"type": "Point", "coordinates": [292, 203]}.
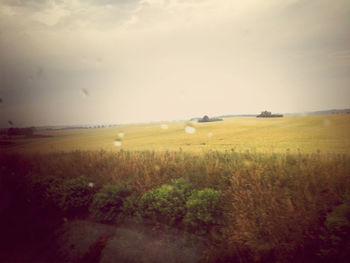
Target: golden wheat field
{"type": "Point", "coordinates": [300, 133]}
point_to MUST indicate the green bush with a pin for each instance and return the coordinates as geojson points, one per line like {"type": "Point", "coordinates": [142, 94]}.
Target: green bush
{"type": "Point", "coordinates": [44, 191]}
{"type": "Point", "coordinates": [112, 203]}
{"type": "Point", "coordinates": [76, 195]}
{"type": "Point", "coordinates": [166, 204]}
{"type": "Point", "coordinates": [336, 236]}
{"type": "Point", "coordinates": [202, 210]}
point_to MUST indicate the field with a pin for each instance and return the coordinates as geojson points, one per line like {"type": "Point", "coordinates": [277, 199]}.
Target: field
{"type": "Point", "coordinates": [254, 190]}
{"type": "Point", "coordinates": [306, 134]}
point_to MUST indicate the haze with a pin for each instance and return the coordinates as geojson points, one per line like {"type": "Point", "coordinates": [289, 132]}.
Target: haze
{"type": "Point", "coordinates": [99, 62]}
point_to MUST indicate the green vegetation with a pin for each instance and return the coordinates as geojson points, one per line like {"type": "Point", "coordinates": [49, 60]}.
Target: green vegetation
{"type": "Point", "coordinates": [203, 210]}
{"type": "Point", "coordinates": [166, 204]}
{"type": "Point", "coordinates": [76, 195]}
{"type": "Point", "coordinates": [112, 204]}
{"type": "Point", "coordinates": [336, 236]}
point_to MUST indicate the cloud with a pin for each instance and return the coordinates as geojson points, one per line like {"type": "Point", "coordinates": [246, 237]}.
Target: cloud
{"type": "Point", "coordinates": [111, 2]}
{"type": "Point", "coordinates": [340, 54]}
{"type": "Point", "coordinates": [32, 4]}
{"type": "Point", "coordinates": [220, 56]}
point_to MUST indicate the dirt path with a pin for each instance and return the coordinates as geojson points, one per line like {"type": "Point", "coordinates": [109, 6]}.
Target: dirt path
{"type": "Point", "coordinates": [89, 242]}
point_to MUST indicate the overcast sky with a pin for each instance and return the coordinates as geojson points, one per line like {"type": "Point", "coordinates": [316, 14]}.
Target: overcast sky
{"type": "Point", "coordinates": [104, 61]}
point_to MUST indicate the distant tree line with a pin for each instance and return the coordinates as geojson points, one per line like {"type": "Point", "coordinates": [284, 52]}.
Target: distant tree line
{"type": "Point", "coordinates": [268, 114]}
{"type": "Point", "coordinates": [17, 131]}
{"type": "Point", "coordinates": [207, 119]}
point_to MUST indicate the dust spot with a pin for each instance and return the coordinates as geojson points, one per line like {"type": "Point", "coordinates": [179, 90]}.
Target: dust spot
{"type": "Point", "coordinates": [190, 130]}
{"type": "Point", "coordinates": [91, 184]}
{"type": "Point", "coordinates": [210, 134]}
{"type": "Point", "coordinates": [99, 60]}
{"type": "Point", "coordinates": [39, 72]}
{"type": "Point", "coordinates": [117, 143]}
{"type": "Point", "coordinates": [326, 122]}
{"type": "Point", "coordinates": [85, 92]}
{"type": "Point", "coordinates": [121, 135]}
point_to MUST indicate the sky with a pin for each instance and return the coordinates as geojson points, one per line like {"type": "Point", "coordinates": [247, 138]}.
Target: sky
{"type": "Point", "coordinates": [82, 62]}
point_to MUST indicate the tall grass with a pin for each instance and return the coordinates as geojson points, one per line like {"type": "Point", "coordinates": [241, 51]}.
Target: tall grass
{"type": "Point", "coordinates": [274, 205]}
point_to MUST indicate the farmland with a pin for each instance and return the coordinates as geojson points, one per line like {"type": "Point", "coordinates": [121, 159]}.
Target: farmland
{"type": "Point", "coordinates": [254, 190]}
{"type": "Point", "coordinates": [306, 134]}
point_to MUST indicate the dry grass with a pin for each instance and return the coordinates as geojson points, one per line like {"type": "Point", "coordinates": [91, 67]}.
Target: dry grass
{"type": "Point", "coordinates": [275, 204]}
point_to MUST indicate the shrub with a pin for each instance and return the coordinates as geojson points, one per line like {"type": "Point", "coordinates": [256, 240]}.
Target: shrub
{"type": "Point", "coordinates": [44, 191]}
{"type": "Point", "coordinates": [166, 204]}
{"type": "Point", "coordinates": [202, 210]}
{"type": "Point", "coordinates": [336, 236]}
{"type": "Point", "coordinates": [77, 194]}
{"type": "Point", "coordinates": [112, 203]}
